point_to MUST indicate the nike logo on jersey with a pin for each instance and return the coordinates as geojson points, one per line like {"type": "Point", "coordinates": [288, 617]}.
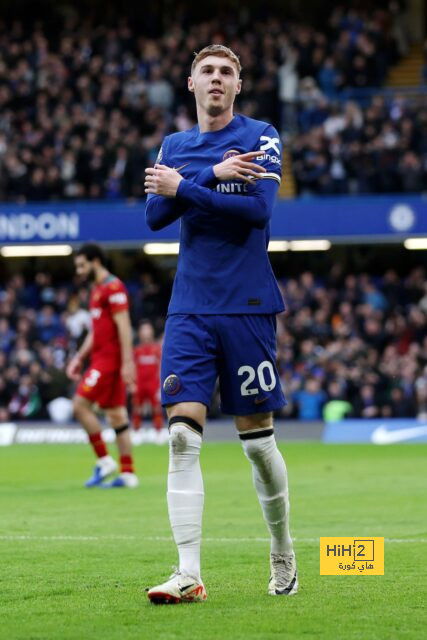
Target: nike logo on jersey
{"type": "Point", "coordinates": [270, 143]}
{"type": "Point", "coordinates": [181, 167]}
{"type": "Point", "coordinates": [260, 400]}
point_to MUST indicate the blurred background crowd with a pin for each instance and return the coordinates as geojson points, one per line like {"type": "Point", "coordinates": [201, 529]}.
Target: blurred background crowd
{"type": "Point", "coordinates": [84, 106]}
{"type": "Point", "coordinates": [348, 345]}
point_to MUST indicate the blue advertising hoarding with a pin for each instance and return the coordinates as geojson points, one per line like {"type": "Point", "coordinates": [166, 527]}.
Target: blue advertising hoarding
{"type": "Point", "coordinates": [339, 219]}
{"type": "Point", "coordinates": [387, 431]}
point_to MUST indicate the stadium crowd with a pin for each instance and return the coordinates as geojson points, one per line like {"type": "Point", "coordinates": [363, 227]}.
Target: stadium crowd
{"type": "Point", "coordinates": [344, 149]}
{"type": "Point", "coordinates": [348, 345]}
{"type": "Point", "coordinates": [83, 108]}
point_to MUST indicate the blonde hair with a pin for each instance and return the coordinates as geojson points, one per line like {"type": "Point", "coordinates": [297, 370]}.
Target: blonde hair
{"type": "Point", "coordinates": [216, 50]}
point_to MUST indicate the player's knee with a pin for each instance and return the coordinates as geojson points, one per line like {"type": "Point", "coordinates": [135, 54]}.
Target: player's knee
{"type": "Point", "coordinates": [117, 417]}
{"type": "Point", "coordinates": [122, 430]}
{"type": "Point", "coordinates": [258, 446]}
{"type": "Point", "coordinates": [185, 435]}
{"type": "Point", "coordinates": [178, 439]}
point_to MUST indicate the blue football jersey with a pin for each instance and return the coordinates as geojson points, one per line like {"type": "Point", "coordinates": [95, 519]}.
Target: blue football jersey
{"type": "Point", "coordinates": [223, 265]}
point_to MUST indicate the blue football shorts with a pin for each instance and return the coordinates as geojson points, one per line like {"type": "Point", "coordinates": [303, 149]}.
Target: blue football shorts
{"type": "Point", "coordinates": [239, 349]}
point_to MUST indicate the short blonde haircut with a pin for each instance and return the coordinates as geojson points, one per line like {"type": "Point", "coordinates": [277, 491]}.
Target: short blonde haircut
{"type": "Point", "coordinates": [217, 50]}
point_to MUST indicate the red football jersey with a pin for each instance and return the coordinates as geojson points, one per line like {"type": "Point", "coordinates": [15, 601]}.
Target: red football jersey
{"type": "Point", "coordinates": [106, 299]}
{"type": "Point", "coordinates": [147, 360]}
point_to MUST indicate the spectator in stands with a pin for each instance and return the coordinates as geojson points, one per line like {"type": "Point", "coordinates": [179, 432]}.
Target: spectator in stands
{"type": "Point", "coordinates": [337, 406]}
{"type": "Point", "coordinates": [399, 406]}
{"type": "Point", "coordinates": [288, 88]}
{"type": "Point", "coordinates": [48, 324]}
{"type": "Point", "coordinates": [25, 402]}
{"type": "Point", "coordinates": [7, 335]}
{"type": "Point", "coordinates": [310, 400]}
{"type": "Point", "coordinates": [366, 404]}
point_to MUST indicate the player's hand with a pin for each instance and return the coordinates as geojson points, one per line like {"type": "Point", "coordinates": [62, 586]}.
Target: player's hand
{"type": "Point", "coordinates": [74, 367]}
{"type": "Point", "coordinates": [239, 167]}
{"type": "Point", "coordinates": [162, 180]}
{"type": "Point", "coordinates": [128, 373]}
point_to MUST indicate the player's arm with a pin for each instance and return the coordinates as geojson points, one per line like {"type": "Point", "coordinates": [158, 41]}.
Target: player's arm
{"type": "Point", "coordinates": [124, 330]}
{"type": "Point", "coordinates": [163, 208]}
{"type": "Point", "coordinates": [76, 362]}
{"type": "Point", "coordinates": [161, 211]}
{"type": "Point", "coordinates": [255, 208]}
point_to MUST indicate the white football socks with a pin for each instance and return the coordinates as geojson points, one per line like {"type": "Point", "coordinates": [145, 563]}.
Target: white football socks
{"type": "Point", "coordinates": [271, 484]}
{"type": "Point", "coordinates": [185, 496]}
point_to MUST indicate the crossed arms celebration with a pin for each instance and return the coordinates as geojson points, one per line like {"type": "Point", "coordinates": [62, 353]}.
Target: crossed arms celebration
{"type": "Point", "coordinates": [169, 194]}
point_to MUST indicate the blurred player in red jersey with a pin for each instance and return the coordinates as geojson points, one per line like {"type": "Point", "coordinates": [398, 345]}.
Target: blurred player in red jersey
{"type": "Point", "coordinates": [147, 359]}
{"type": "Point", "coordinates": [111, 368]}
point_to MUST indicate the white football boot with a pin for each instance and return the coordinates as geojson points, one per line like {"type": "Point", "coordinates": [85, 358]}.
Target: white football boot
{"type": "Point", "coordinates": [124, 480]}
{"type": "Point", "coordinates": [104, 467]}
{"type": "Point", "coordinates": [179, 588]}
{"type": "Point", "coordinates": [283, 575]}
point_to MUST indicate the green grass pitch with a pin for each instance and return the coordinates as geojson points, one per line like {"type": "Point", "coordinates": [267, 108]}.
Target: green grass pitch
{"type": "Point", "coordinates": [74, 562]}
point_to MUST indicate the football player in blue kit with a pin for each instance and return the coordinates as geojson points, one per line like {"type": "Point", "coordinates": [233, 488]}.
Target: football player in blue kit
{"type": "Point", "coordinates": [220, 179]}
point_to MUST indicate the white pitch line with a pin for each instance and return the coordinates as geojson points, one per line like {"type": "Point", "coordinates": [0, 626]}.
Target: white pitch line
{"type": "Point", "coordinates": [170, 539]}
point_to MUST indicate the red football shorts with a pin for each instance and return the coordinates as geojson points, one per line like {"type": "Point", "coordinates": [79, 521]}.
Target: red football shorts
{"type": "Point", "coordinates": [148, 394]}
{"type": "Point", "coordinates": [107, 390]}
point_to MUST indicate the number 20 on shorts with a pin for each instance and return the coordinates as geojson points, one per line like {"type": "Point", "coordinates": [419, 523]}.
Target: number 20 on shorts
{"type": "Point", "coordinates": [259, 376]}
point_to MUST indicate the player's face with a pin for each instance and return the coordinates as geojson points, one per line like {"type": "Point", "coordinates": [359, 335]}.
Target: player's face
{"type": "Point", "coordinates": [215, 84]}
{"type": "Point", "coordinates": [146, 333]}
{"type": "Point", "coordinates": [84, 268]}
